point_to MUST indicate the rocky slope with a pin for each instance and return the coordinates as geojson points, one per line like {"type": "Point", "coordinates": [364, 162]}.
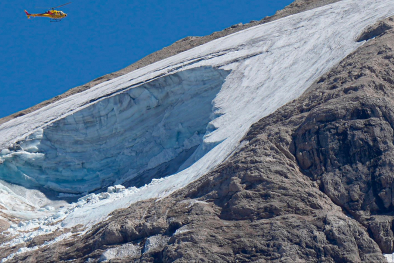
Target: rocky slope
{"type": "Point", "coordinates": [312, 183]}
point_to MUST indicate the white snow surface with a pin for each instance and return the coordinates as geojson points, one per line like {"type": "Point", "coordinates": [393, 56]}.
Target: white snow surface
{"type": "Point", "coordinates": [121, 252]}
{"type": "Point", "coordinates": [389, 258]}
{"type": "Point", "coordinates": [244, 77]}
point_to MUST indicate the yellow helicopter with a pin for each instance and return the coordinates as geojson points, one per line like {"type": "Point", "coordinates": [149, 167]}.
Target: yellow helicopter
{"type": "Point", "coordinates": [54, 15]}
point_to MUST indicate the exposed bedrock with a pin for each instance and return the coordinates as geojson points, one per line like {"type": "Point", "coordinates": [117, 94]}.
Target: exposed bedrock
{"type": "Point", "coordinates": [345, 143]}
{"type": "Point", "coordinates": [347, 148]}
{"type": "Point", "coordinates": [350, 151]}
{"type": "Point", "coordinates": [153, 127]}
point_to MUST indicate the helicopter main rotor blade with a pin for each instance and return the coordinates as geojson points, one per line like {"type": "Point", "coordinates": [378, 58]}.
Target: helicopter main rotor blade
{"type": "Point", "coordinates": [61, 5]}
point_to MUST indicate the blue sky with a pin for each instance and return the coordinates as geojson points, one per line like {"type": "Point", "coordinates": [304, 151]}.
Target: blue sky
{"type": "Point", "coordinates": [40, 60]}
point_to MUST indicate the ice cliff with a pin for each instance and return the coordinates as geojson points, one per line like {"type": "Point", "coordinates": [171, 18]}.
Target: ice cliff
{"type": "Point", "coordinates": [120, 137]}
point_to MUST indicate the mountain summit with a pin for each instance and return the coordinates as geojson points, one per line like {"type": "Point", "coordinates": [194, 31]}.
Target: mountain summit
{"type": "Point", "coordinates": [273, 143]}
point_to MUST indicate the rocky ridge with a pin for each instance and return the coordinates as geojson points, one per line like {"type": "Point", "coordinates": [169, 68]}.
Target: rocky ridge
{"type": "Point", "coordinates": [313, 182]}
{"type": "Point", "coordinates": [176, 48]}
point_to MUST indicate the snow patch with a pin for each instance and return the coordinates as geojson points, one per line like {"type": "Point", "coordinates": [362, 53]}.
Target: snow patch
{"type": "Point", "coordinates": [155, 242]}
{"type": "Point", "coordinates": [389, 257]}
{"type": "Point", "coordinates": [30, 249]}
{"type": "Point", "coordinates": [121, 252]}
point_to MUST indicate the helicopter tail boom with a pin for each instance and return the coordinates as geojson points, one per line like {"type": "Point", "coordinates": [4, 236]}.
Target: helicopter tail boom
{"type": "Point", "coordinates": [27, 13]}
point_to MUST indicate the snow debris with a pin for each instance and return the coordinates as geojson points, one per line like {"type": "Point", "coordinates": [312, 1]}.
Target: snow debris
{"type": "Point", "coordinates": [121, 252]}
{"type": "Point", "coordinates": [153, 242]}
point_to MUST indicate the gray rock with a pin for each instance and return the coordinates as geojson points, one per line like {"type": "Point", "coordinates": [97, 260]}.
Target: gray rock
{"type": "Point", "coordinates": [345, 140]}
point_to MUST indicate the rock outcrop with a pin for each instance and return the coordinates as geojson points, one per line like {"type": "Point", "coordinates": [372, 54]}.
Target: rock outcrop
{"type": "Point", "coordinates": [345, 144]}
{"type": "Point", "coordinates": [312, 183]}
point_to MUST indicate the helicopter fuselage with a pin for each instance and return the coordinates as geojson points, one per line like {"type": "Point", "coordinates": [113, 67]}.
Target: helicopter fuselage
{"type": "Point", "coordinates": [53, 14]}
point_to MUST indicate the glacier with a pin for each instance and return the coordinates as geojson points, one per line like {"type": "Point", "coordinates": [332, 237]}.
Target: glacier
{"type": "Point", "coordinates": [163, 126]}
{"type": "Point", "coordinates": [120, 137]}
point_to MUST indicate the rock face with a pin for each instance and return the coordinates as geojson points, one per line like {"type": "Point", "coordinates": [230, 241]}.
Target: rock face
{"type": "Point", "coordinates": [312, 183]}
{"type": "Point", "coordinates": [346, 143]}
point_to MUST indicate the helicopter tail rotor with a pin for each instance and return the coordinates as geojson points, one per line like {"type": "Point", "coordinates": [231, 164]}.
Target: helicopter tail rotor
{"type": "Point", "coordinates": [28, 15]}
